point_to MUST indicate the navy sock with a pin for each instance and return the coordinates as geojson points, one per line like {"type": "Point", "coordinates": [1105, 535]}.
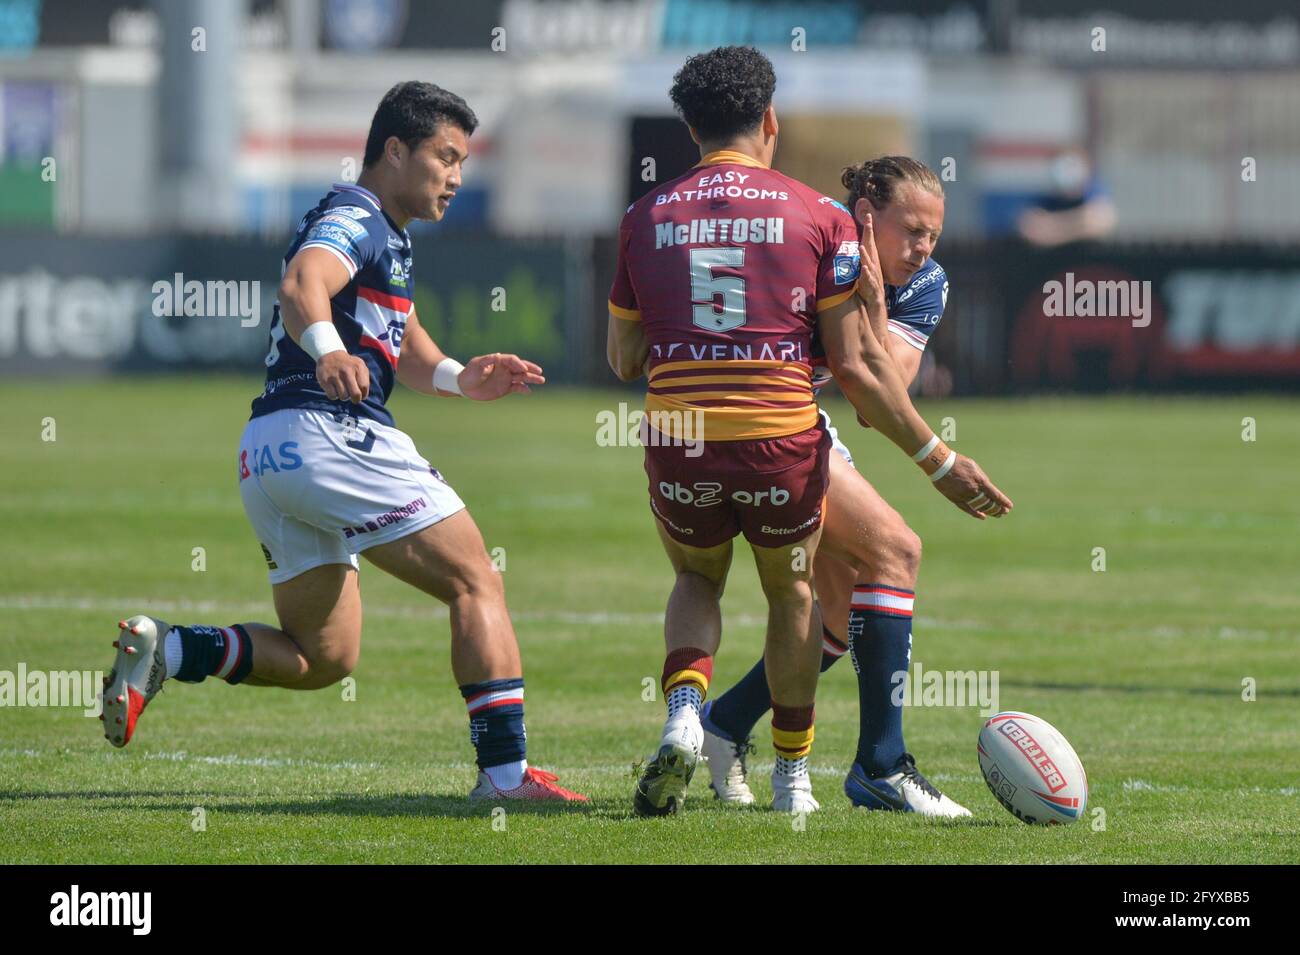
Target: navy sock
{"type": "Point", "coordinates": [734, 715]}
{"type": "Point", "coordinates": [880, 641]}
{"type": "Point", "coordinates": [225, 652]}
{"type": "Point", "coordinates": [496, 720]}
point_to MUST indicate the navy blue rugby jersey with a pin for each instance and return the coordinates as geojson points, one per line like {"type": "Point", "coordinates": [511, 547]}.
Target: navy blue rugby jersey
{"type": "Point", "coordinates": [914, 312]}
{"type": "Point", "coordinates": [370, 312]}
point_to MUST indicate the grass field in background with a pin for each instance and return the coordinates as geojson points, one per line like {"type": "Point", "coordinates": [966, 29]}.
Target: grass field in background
{"type": "Point", "coordinates": [1141, 666]}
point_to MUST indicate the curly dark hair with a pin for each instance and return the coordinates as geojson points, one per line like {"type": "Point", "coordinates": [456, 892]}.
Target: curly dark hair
{"type": "Point", "coordinates": [724, 92]}
{"type": "Point", "coordinates": [413, 111]}
{"type": "Point", "coordinates": [878, 179]}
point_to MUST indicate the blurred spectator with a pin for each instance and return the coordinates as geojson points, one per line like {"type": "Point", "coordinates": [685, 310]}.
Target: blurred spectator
{"type": "Point", "coordinates": [1077, 208]}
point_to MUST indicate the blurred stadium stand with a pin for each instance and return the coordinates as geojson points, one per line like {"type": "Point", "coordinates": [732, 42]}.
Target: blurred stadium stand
{"type": "Point", "coordinates": [170, 159]}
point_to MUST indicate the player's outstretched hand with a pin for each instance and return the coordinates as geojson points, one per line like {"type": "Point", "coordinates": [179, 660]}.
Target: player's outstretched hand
{"type": "Point", "coordinates": [343, 377]}
{"type": "Point", "coordinates": [871, 281]}
{"type": "Point", "coordinates": [489, 377]}
{"type": "Point", "coordinates": [967, 486]}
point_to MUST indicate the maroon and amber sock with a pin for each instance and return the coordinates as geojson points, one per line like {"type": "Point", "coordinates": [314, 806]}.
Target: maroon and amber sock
{"type": "Point", "coordinates": [686, 679]}
{"type": "Point", "coordinates": [792, 737]}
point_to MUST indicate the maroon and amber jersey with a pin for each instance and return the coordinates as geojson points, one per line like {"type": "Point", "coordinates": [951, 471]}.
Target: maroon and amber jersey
{"type": "Point", "coordinates": [726, 268]}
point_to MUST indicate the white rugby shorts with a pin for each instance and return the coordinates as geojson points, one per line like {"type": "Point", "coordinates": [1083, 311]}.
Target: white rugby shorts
{"type": "Point", "coordinates": [836, 444]}
{"type": "Point", "coordinates": [319, 488]}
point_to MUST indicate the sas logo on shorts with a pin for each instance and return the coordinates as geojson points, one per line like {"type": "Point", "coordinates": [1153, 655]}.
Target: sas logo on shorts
{"type": "Point", "coordinates": [270, 561]}
{"type": "Point", "coordinates": [262, 461]}
{"type": "Point", "coordinates": [847, 268]}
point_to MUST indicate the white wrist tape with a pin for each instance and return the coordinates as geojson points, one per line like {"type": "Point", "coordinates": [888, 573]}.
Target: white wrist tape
{"type": "Point", "coordinates": [929, 446]}
{"type": "Point", "coordinates": [319, 339]}
{"type": "Point", "coordinates": [945, 467]}
{"type": "Point", "coordinates": [446, 376]}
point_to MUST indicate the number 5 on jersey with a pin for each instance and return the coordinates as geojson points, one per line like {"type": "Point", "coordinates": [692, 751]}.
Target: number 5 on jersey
{"type": "Point", "coordinates": [705, 287]}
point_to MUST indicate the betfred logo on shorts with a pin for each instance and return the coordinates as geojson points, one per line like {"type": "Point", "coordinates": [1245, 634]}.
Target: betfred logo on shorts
{"type": "Point", "coordinates": [787, 531]}
{"type": "Point", "coordinates": [684, 531]}
{"type": "Point", "coordinates": [708, 493]}
{"type": "Point", "coordinates": [1034, 753]}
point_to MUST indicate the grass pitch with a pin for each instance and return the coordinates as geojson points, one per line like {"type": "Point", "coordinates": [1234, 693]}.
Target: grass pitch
{"type": "Point", "coordinates": [1142, 666]}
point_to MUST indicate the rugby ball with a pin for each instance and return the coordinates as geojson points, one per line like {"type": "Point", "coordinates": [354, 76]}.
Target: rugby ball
{"type": "Point", "coordinates": [1032, 770]}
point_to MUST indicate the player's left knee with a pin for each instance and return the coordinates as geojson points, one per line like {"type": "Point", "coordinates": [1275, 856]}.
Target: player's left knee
{"type": "Point", "coordinates": [895, 555]}
{"type": "Point", "coordinates": [907, 545]}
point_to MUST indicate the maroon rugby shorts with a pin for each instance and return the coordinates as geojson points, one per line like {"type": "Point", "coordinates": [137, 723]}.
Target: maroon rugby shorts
{"type": "Point", "coordinates": [771, 490]}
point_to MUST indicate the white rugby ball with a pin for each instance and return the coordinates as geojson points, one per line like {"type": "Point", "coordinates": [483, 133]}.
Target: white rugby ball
{"type": "Point", "coordinates": [1032, 770]}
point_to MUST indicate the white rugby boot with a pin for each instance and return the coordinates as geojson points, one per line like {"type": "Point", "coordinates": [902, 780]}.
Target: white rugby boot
{"type": "Point", "coordinates": [137, 676]}
{"type": "Point", "coordinates": [727, 768]}
{"type": "Point", "coordinates": [904, 790]}
{"type": "Point", "coordinates": [793, 794]}
{"type": "Point", "coordinates": [661, 790]}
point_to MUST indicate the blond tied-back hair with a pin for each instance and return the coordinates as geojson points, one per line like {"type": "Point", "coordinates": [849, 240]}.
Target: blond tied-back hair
{"type": "Point", "coordinates": [878, 179]}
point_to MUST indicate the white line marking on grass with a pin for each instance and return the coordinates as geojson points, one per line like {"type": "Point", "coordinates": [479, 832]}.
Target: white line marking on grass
{"type": "Point", "coordinates": [127, 605]}
{"type": "Point", "coordinates": [1142, 786]}
{"type": "Point", "coordinates": [615, 769]}
{"type": "Point", "coordinates": [181, 756]}
{"type": "Point", "coordinates": [119, 606]}
{"type": "Point", "coordinates": [268, 762]}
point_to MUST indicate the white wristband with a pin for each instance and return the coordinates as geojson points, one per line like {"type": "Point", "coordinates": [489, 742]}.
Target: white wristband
{"type": "Point", "coordinates": [319, 339]}
{"type": "Point", "coordinates": [929, 446]}
{"type": "Point", "coordinates": [945, 467]}
{"type": "Point", "coordinates": [446, 376]}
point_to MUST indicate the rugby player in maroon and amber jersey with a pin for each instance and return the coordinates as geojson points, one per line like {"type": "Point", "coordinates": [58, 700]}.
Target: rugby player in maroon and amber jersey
{"type": "Point", "coordinates": [723, 275]}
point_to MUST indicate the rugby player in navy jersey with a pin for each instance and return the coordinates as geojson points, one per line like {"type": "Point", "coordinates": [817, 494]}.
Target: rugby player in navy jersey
{"type": "Point", "coordinates": [867, 564]}
{"type": "Point", "coordinates": [325, 475]}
